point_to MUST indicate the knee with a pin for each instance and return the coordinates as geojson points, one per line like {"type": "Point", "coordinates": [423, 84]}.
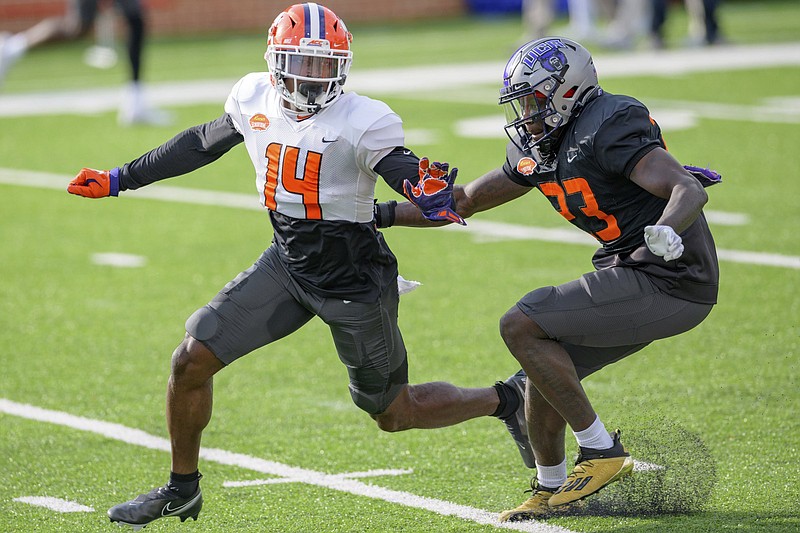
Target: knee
{"type": "Point", "coordinates": [522, 335]}
{"type": "Point", "coordinates": [399, 415]}
{"type": "Point", "coordinates": [388, 423]}
{"type": "Point", "coordinates": [193, 363]}
{"type": "Point", "coordinates": [514, 326]}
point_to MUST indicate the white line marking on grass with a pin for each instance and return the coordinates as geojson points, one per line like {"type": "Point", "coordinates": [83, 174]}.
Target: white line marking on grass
{"type": "Point", "coordinates": [409, 80]}
{"type": "Point", "coordinates": [346, 475]}
{"type": "Point", "coordinates": [54, 504]}
{"type": "Point", "coordinates": [642, 466]}
{"type": "Point", "coordinates": [378, 473]}
{"type": "Point", "coordinates": [336, 482]}
{"type": "Point", "coordinates": [485, 230]}
{"type": "Point", "coordinates": [119, 260]}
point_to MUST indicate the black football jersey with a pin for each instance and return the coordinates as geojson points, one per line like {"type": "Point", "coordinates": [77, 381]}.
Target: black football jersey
{"type": "Point", "coordinates": [589, 185]}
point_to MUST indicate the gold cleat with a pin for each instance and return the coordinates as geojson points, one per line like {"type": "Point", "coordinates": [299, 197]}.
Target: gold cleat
{"type": "Point", "coordinates": [593, 470]}
{"type": "Point", "coordinates": [534, 507]}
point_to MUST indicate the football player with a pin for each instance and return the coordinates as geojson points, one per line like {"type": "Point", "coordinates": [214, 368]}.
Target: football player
{"type": "Point", "coordinates": [76, 23]}
{"type": "Point", "coordinates": [317, 153]}
{"type": "Point", "coordinates": [601, 161]}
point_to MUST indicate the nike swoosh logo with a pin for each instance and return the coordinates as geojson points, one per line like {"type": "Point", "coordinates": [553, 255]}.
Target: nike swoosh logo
{"type": "Point", "coordinates": [345, 302]}
{"type": "Point", "coordinates": [571, 155]}
{"type": "Point", "coordinates": [329, 140]}
{"type": "Point", "coordinates": [168, 511]}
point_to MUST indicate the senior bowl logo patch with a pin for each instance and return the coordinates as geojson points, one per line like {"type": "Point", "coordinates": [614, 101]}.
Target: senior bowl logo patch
{"type": "Point", "coordinates": [526, 166]}
{"type": "Point", "coordinates": [259, 122]}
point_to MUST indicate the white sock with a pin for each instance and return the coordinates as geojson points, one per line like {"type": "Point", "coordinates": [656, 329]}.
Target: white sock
{"type": "Point", "coordinates": [15, 46]}
{"type": "Point", "coordinates": [551, 477]}
{"type": "Point", "coordinates": [595, 436]}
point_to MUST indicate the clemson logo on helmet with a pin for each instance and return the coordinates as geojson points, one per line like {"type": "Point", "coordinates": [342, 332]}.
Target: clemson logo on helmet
{"type": "Point", "coordinates": [526, 166]}
{"type": "Point", "coordinates": [259, 122]}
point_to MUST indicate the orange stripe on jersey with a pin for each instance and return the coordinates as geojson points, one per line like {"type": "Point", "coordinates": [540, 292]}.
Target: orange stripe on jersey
{"type": "Point", "coordinates": [552, 190]}
{"type": "Point", "coordinates": [580, 185]}
{"type": "Point", "coordinates": [273, 156]}
{"type": "Point", "coordinates": [306, 185]}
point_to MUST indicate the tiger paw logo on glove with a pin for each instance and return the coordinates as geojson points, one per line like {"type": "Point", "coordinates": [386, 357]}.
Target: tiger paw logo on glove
{"type": "Point", "coordinates": [433, 193]}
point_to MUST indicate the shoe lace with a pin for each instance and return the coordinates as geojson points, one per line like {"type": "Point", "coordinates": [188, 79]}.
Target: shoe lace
{"type": "Point", "coordinates": [535, 487]}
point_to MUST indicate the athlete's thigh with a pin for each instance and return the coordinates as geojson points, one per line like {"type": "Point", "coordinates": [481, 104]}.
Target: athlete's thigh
{"type": "Point", "coordinates": [590, 359]}
{"type": "Point", "coordinates": [251, 311]}
{"type": "Point", "coordinates": [130, 7]}
{"type": "Point", "coordinates": [369, 343]}
{"type": "Point", "coordinates": [610, 307]}
{"type": "Point", "coordinates": [84, 11]}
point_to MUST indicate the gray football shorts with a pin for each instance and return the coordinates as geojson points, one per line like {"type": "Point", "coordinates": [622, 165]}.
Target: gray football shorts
{"type": "Point", "coordinates": [264, 303]}
{"type": "Point", "coordinates": [609, 314]}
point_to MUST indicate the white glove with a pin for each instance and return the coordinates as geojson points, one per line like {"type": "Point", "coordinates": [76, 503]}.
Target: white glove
{"type": "Point", "coordinates": [664, 242]}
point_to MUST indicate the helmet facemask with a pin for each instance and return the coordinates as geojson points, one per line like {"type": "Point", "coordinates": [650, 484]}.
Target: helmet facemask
{"type": "Point", "coordinates": [309, 77]}
{"type": "Point", "coordinates": [531, 118]}
{"type": "Point", "coordinates": [546, 83]}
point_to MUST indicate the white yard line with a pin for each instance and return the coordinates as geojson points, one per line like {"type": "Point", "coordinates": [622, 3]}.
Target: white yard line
{"type": "Point", "coordinates": [481, 230]}
{"type": "Point", "coordinates": [422, 79]}
{"type": "Point", "coordinates": [54, 504]}
{"type": "Point", "coordinates": [336, 481]}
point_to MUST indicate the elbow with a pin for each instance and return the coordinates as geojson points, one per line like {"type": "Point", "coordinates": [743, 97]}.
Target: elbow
{"type": "Point", "coordinates": [464, 204]}
{"type": "Point", "coordinates": [465, 208]}
{"type": "Point", "coordinates": [700, 195]}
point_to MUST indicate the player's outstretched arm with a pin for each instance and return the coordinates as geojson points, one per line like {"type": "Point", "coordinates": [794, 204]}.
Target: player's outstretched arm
{"type": "Point", "coordinates": [490, 190]}
{"type": "Point", "coordinates": [187, 151]}
{"type": "Point", "coordinates": [91, 183]}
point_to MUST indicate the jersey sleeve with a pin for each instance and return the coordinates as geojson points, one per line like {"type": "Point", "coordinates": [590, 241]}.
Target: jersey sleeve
{"type": "Point", "coordinates": [514, 156]}
{"type": "Point", "coordinates": [624, 138]}
{"type": "Point", "coordinates": [399, 165]}
{"type": "Point", "coordinates": [232, 107]}
{"type": "Point", "coordinates": [380, 131]}
{"type": "Point", "coordinates": [187, 151]}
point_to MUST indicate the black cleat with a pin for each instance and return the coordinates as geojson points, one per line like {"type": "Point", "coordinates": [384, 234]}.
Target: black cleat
{"type": "Point", "coordinates": [515, 423]}
{"type": "Point", "coordinates": [160, 502]}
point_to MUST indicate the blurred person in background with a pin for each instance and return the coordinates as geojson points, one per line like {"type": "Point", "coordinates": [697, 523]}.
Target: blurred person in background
{"type": "Point", "coordinates": [538, 17]}
{"type": "Point", "coordinates": [317, 152]}
{"type": "Point", "coordinates": [703, 24]}
{"type": "Point", "coordinates": [630, 21]}
{"type": "Point", "coordinates": [79, 19]}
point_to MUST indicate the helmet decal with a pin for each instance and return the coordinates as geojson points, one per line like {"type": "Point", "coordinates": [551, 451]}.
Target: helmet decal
{"type": "Point", "coordinates": [548, 54]}
{"type": "Point", "coordinates": [314, 21]}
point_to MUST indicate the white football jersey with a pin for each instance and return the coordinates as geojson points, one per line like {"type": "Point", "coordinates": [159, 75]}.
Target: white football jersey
{"type": "Point", "coordinates": [320, 168]}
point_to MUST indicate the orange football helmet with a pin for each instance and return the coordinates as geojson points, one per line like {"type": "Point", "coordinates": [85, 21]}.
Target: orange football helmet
{"type": "Point", "coordinates": [309, 56]}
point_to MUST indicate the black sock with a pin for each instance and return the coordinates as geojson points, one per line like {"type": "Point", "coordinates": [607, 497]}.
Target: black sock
{"type": "Point", "coordinates": [184, 485]}
{"type": "Point", "coordinates": [509, 401]}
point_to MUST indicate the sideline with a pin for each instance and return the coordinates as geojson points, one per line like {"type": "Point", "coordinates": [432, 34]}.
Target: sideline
{"type": "Point", "coordinates": [294, 474]}
{"type": "Point", "coordinates": [405, 80]}
{"type": "Point", "coordinates": [481, 230]}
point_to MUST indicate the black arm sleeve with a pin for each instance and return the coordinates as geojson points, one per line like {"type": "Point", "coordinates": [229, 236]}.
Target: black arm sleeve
{"type": "Point", "coordinates": [400, 164]}
{"type": "Point", "coordinates": [187, 151]}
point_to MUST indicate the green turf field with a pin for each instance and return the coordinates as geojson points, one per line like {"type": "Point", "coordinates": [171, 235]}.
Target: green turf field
{"type": "Point", "coordinates": [85, 345]}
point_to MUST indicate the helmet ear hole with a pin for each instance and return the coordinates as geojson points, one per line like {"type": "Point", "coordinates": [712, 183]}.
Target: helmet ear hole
{"type": "Point", "coordinates": [571, 92]}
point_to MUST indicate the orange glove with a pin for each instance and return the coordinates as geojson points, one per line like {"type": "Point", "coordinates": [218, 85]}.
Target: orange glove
{"type": "Point", "coordinates": [92, 183]}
